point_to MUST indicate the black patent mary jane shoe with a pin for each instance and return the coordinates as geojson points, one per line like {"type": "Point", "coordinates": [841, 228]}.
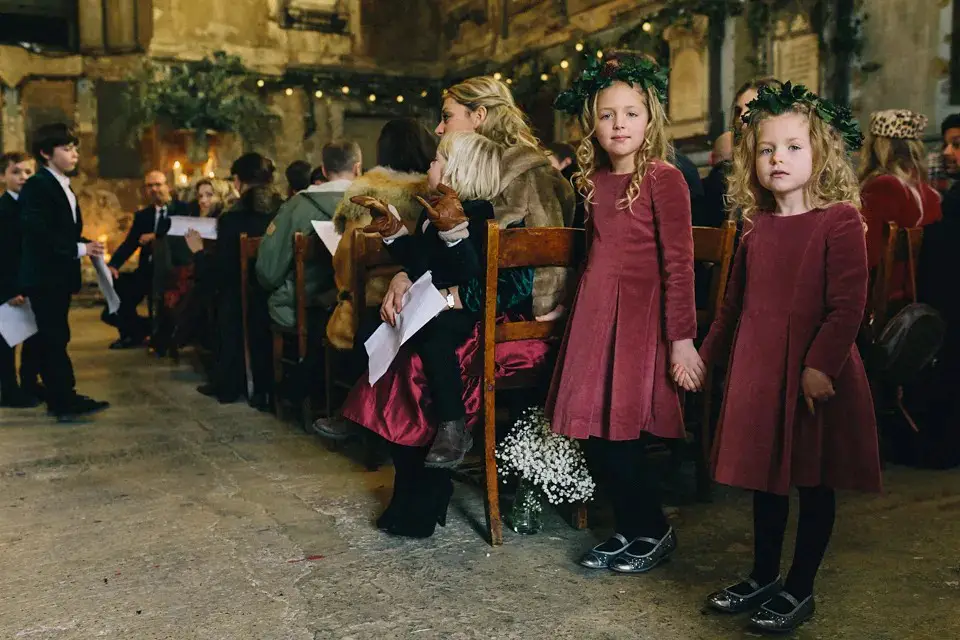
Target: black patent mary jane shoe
{"type": "Point", "coordinates": [743, 596]}
{"type": "Point", "coordinates": [769, 621]}
{"type": "Point", "coordinates": [597, 559]}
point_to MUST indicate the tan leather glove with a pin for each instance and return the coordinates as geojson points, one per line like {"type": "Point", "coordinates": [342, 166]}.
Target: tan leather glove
{"type": "Point", "coordinates": [445, 212]}
{"type": "Point", "coordinates": [386, 219]}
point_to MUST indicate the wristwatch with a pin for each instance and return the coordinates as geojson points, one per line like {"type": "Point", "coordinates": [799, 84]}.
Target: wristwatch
{"type": "Point", "coordinates": [451, 300]}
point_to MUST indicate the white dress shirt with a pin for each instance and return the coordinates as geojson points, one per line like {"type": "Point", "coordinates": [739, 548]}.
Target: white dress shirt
{"type": "Point", "coordinates": [14, 194]}
{"type": "Point", "coordinates": [72, 199]}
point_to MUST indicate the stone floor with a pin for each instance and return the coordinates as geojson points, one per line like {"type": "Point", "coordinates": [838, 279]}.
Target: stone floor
{"type": "Point", "coordinates": [170, 516]}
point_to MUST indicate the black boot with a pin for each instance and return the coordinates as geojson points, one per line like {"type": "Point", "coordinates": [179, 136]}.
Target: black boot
{"type": "Point", "coordinates": [426, 506]}
{"type": "Point", "coordinates": [407, 468]}
{"type": "Point", "coordinates": [452, 443]}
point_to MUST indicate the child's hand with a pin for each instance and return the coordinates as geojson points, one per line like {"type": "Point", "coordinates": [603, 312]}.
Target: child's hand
{"type": "Point", "coordinates": [817, 386]}
{"type": "Point", "coordinates": [686, 367]}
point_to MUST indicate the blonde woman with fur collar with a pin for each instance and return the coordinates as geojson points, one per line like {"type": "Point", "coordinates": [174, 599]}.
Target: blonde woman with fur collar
{"type": "Point", "coordinates": [404, 152]}
{"type": "Point", "coordinates": [531, 190]}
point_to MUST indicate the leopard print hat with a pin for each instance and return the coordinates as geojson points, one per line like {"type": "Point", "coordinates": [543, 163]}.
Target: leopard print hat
{"type": "Point", "coordinates": [898, 123]}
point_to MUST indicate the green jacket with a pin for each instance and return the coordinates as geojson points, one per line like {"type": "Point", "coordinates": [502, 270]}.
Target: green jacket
{"type": "Point", "coordinates": [275, 268]}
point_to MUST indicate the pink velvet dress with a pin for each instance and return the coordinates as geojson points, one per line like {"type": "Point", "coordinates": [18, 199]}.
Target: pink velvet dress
{"type": "Point", "coordinates": [795, 299]}
{"type": "Point", "coordinates": [636, 296]}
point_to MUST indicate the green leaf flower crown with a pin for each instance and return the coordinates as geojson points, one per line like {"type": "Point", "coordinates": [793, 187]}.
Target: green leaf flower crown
{"type": "Point", "coordinates": [781, 100]}
{"type": "Point", "coordinates": [600, 73]}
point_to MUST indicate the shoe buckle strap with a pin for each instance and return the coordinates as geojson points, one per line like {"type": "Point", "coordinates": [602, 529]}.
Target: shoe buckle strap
{"type": "Point", "coordinates": [789, 598]}
{"type": "Point", "coordinates": [656, 544]}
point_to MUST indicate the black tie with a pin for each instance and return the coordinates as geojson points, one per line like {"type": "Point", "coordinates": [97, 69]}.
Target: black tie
{"type": "Point", "coordinates": [161, 214]}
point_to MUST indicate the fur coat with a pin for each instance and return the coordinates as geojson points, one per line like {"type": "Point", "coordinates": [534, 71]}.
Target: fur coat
{"type": "Point", "coordinates": [533, 191]}
{"type": "Point", "coordinates": [393, 187]}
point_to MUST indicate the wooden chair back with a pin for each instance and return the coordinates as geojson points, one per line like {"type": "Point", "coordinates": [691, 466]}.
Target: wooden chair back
{"type": "Point", "coordinates": [714, 246]}
{"type": "Point", "coordinates": [306, 248]}
{"type": "Point", "coordinates": [900, 245]}
{"type": "Point", "coordinates": [507, 249]}
{"type": "Point", "coordinates": [711, 246]}
{"type": "Point", "coordinates": [249, 246]}
{"type": "Point", "coordinates": [370, 259]}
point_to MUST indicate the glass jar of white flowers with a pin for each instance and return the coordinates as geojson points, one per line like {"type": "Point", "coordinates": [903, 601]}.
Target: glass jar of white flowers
{"type": "Point", "coordinates": [548, 465]}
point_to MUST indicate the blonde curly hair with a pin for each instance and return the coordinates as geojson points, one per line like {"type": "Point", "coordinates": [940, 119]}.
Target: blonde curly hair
{"type": "Point", "coordinates": [833, 180]}
{"type": "Point", "coordinates": [505, 123]}
{"type": "Point", "coordinates": [591, 156]}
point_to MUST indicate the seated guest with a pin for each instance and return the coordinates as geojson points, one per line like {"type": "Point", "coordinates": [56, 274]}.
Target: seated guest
{"type": "Point", "coordinates": [937, 286]}
{"type": "Point", "coordinates": [404, 152]}
{"type": "Point", "coordinates": [173, 277]}
{"type": "Point", "coordinates": [894, 186]}
{"type": "Point", "coordinates": [208, 203]}
{"type": "Point", "coordinates": [52, 225]}
{"type": "Point", "coordinates": [447, 240]}
{"type": "Point", "coordinates": [182, 305]}
{"type": "Point", "coordinates": [275, 269]}
{"type": "Point", "coordinates": [15, 168]}
{"type": "Point", "coordinates": [220, 274]}
{"type": "Point", "coordinates": [316, 176]}
{"type": "Point", "coordinates": [298, 177]}
{"type": "Point", "coordinates": [714, 210]}
{"type": "Point", "coordinates": [134, 287]}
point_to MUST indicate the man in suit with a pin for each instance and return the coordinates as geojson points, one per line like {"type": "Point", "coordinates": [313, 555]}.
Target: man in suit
{"type": "Point", "coordinates": [50, 265]}
{"type": "Point", "coordinates": [16, 168]}
{"type": "Point", "coordinates": [133, 287]}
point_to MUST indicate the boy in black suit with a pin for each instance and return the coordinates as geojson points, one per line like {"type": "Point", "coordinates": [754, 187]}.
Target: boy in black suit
{"type": "Point", "coordinates": [15, 168]}
{"type": "Point", "coordinates": [50, 265]}
{"type": "Point", "coordinates": [148, 223]}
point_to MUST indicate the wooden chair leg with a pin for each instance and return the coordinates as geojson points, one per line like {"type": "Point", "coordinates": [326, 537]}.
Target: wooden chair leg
{"type": "Point", "coordinates": [579, 516]}
{"type": "Point", "coordinates": [306, 413]}
{"type": "Point", "coordinates": [277, 372]}
{"type": "Point", "coordinates": [494, 520]}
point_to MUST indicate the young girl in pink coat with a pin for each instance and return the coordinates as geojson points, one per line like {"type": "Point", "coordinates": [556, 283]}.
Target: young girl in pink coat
{"type": "Point", "coordinates": [634, 314]}
{"type": "Point", "coordinates": [797, 410]}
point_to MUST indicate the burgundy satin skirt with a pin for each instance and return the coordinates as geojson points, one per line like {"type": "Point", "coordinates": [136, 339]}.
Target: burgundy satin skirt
{"type": "Point", "coordinates": [398, 408]}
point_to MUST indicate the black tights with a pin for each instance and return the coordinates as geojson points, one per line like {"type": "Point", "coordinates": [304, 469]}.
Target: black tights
{"type": "Point", "coordinates": [818, 507]}
{"type": "Point", "coordinates": [622, 471]}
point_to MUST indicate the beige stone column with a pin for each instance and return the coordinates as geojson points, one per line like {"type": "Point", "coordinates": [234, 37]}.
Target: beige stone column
{"type": "Point", "coordinates": [14, 134]}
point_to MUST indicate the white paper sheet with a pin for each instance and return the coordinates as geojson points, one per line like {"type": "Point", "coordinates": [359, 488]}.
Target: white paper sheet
{"type": "Point", "coordinates": [105, 282]}
{"type": "Point", "coordinates": [421, 304]}
{"type": "Point", "coordinates": [179, 225]}
{"type": "Point", "coordinates": [17, 323]}
{"type": "Point", "coordinates": [328, 234]}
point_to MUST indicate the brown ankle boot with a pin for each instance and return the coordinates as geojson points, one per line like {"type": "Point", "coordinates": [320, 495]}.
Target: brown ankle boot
{"type": "Point", "coordinates": [452, 443]}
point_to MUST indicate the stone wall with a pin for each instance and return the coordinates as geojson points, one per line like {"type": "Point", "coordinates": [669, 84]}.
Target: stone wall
{"type": "Point", "coordinates": [905, 39]}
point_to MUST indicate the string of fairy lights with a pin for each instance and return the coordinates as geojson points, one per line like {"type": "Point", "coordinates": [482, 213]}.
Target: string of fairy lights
{"type": "Point", "coordinates": [528, 74]}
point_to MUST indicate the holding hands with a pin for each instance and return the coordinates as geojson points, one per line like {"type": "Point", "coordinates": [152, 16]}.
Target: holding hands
{"type": "Point", "coordinates": [446, 211]}
{"type": "Point", "coordinates": [686, 366]}
{"type": "Point", "coordinates": [386, 218]}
